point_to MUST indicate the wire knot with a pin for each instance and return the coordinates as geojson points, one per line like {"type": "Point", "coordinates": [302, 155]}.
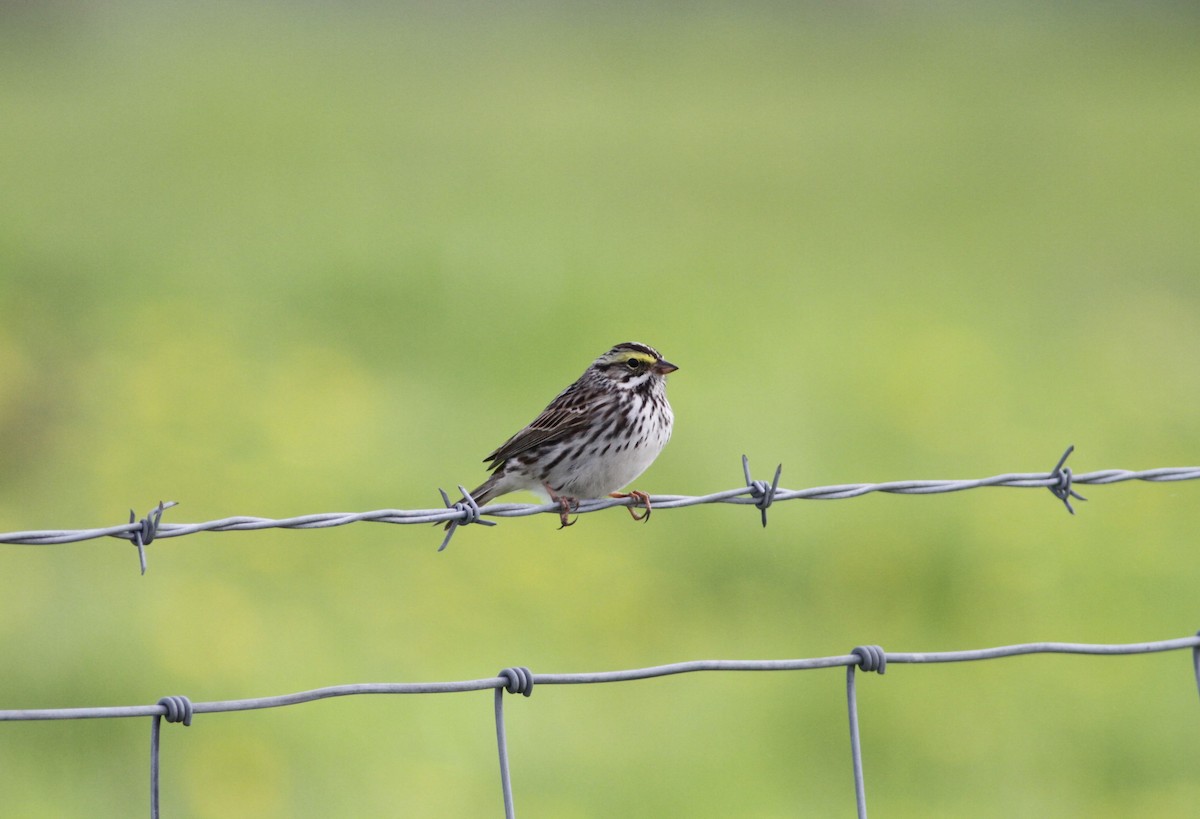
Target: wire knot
{"type": "Point", "coordinates": [762, 492]}
{"type": "Point", "coordinates": [519, 680]}
{"type": "Point", "coordinates": [468, 508]}
{"type": "Point", "coordinates": [1062, 488]}
{"type": "Point", "coordinates": [871, 658]}
{"type": "Point", "coordinates": [179, 709]}
{"type": "Point", "coordinates": [147, 529]}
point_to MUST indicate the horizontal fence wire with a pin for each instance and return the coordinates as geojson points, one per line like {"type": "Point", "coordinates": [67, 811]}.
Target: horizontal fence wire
{"type": "Point", "coordinates": [520, 680]}
{"type": "Point", "coordinates": [1060, 480]}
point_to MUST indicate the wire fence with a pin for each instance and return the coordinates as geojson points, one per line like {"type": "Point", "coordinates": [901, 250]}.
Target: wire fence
{"type": "Point", "coordinates": [520, 680]}
{"type": "Point", "coordinates": [1060, 480]}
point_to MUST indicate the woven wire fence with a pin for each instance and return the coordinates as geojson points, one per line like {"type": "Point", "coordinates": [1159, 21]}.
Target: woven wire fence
{"type": "Point", "coordinates": [1060, 481]}
{"type": "Point", "coordinates": [520, 680]}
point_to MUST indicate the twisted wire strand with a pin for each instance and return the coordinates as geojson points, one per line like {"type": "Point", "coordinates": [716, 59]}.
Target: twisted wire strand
{"type": "Point", "coordinates": [755, 493]}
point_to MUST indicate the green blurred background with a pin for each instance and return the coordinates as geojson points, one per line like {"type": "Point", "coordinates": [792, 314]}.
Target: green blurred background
{"type": "Point", "coordinates": [280, 259]}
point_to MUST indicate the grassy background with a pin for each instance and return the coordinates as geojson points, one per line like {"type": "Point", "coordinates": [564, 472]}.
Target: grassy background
{"type": "Point", "coordinates": [284, 259]}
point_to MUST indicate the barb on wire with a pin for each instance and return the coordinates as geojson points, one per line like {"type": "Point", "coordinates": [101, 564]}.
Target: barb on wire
{"type": "Point", "coordinates": [467, 508]}
{"type": "Point", "coordinates": [763, 494]}
{"type": "Point", "coordinates": [1061, 481]}
{"type": "Point", "coordinates": [1062, 490]}
{"type": "Point", "coordinates": [147, 529]}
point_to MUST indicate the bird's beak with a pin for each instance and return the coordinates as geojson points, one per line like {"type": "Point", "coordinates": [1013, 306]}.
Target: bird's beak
{"type": "Point", "coordinates": [663, 367]}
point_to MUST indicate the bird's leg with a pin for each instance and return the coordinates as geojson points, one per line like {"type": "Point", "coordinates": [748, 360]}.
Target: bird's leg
{"type": "Point", "coordinates": [564, 506]}
{"type": "Point", "coordinates": [639, 497]}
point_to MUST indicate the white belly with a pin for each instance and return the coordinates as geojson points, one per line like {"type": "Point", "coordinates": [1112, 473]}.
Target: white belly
{"type": "Point", "coordinates": [595, 475]}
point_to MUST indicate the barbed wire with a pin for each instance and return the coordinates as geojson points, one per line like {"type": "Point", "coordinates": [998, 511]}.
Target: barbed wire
{"type": "Point", "coordinates": [520, 680]}
{"type": "Point", "coordinates": [1060, 480]}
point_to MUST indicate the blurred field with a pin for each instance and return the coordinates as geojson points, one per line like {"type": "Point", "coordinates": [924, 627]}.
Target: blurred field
{"type": "Point", "coordinates": [287, 259]}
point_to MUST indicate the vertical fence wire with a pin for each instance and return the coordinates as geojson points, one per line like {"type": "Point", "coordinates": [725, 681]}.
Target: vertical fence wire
{"type": "Point", "coordinates": [174, 709]}
{"type": "Point", "coordinates": [1196, 662]}
{"type": "Point", "coordinates": [155, 725]}
{"type": "Point", "coordinates": [517, 680]}
{"type": "Point", "coordinates": [869, 658]}
{"type": "Point", "coordinates": [860, 788]}
{"type": "Point", "coordinates": [510, 812]}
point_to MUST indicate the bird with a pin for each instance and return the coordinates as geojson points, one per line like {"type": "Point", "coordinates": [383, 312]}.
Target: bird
{"type": "Point", "coordinates": [597, 436]}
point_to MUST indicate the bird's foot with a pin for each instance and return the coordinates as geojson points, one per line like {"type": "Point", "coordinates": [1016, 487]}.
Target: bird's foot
{"type": "Point", "coordinates": [565, 506]}
{"type": "Point", "coordinates": [638, 497]}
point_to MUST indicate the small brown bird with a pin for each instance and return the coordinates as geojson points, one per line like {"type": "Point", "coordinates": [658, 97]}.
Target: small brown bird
{"type": "Point", "coordinates": [596, 437]}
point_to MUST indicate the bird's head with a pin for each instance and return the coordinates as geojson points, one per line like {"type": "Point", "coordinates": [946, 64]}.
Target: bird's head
{"type": "Point", "coordinates": [632, 365]}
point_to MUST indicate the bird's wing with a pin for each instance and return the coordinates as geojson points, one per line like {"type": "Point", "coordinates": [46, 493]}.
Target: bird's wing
{"type": "Point", "coordinates": [567, 414]}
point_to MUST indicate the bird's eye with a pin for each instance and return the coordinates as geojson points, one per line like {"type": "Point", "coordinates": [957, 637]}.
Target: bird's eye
{"type": "Point", "coordinates": [633, 363]}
